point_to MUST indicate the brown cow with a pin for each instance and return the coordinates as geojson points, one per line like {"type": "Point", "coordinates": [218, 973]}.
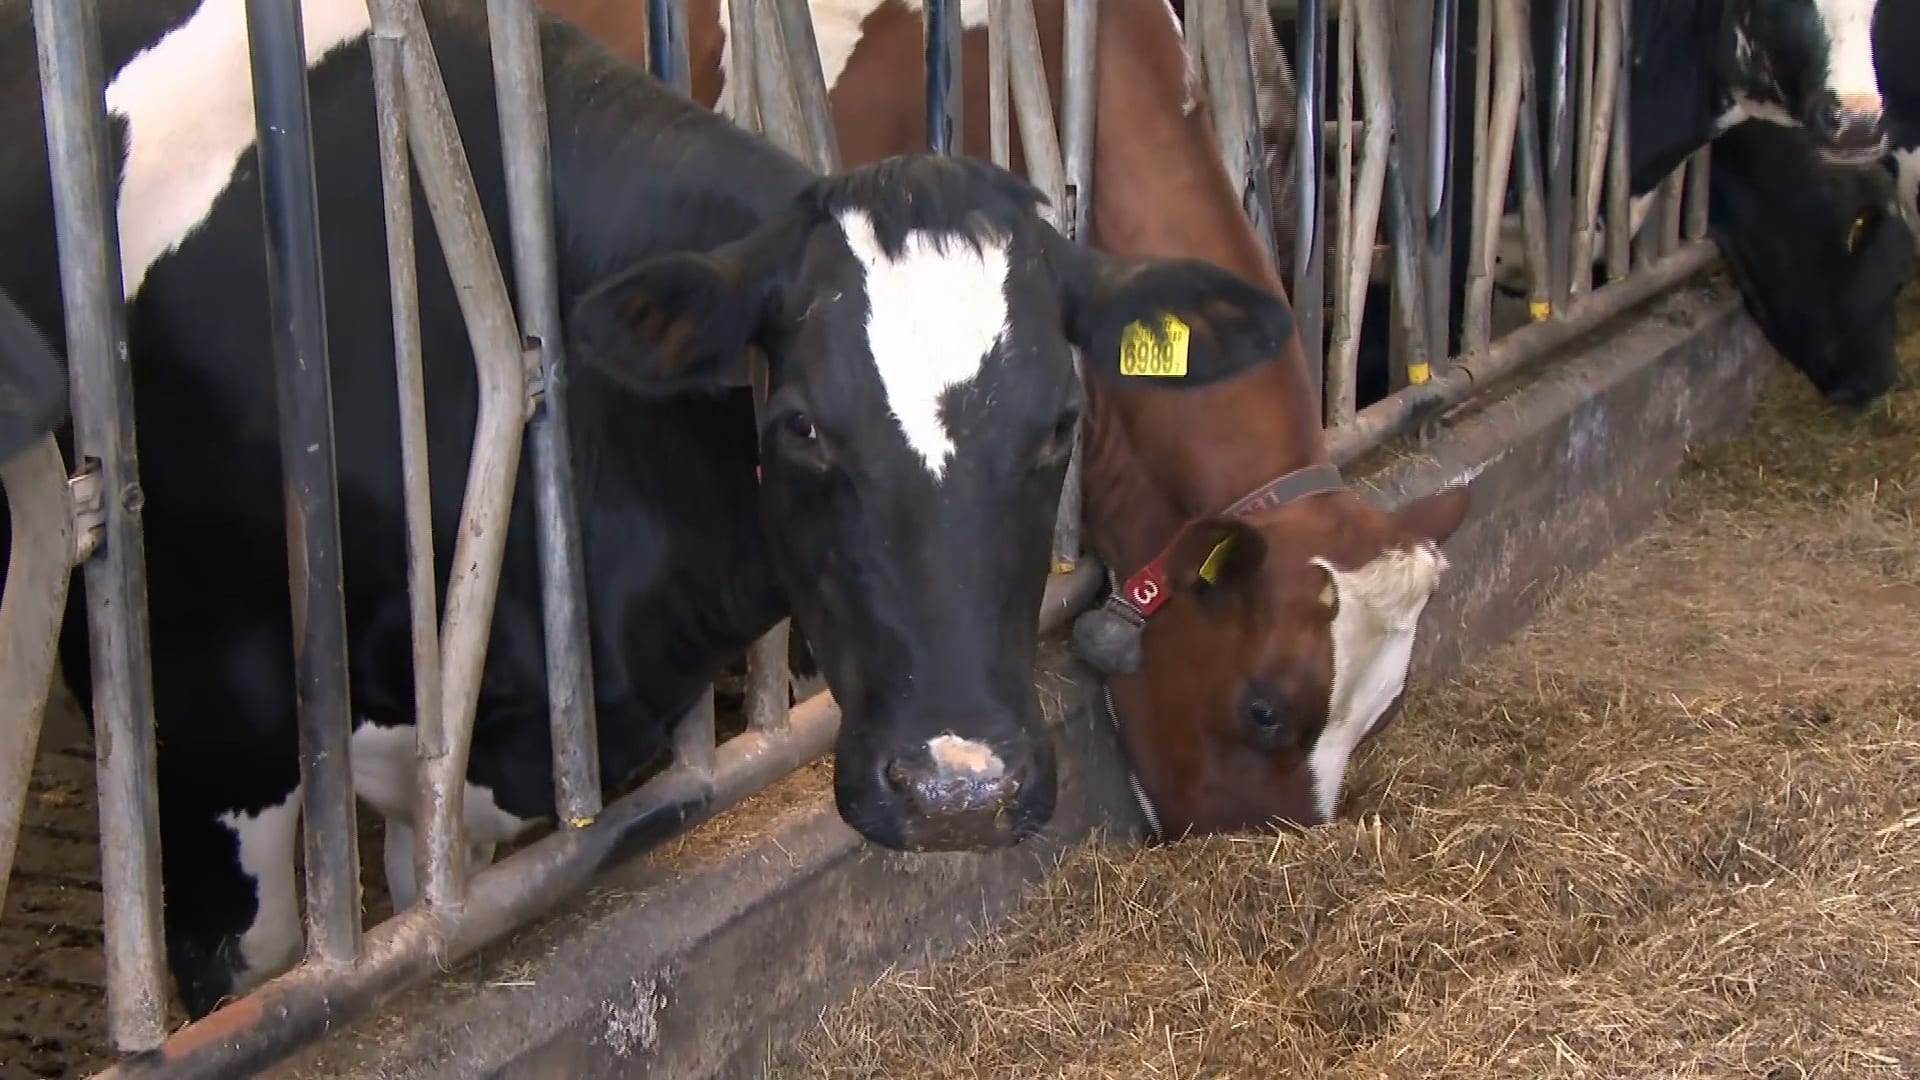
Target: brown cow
{"type": "Point", "coordinates": [1282, 607]}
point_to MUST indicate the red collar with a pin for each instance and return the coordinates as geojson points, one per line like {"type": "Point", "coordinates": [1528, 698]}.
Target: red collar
{"type": "Point", "coordinates": [1142, 594]}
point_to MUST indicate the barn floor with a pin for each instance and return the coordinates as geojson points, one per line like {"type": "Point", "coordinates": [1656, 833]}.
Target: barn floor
{"type": "Point", "coordinates": [1672, 831]}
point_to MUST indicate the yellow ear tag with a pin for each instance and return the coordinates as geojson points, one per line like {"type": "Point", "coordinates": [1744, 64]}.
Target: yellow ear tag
{"type": "Point", "coordinates": [1853, 234]}
{"type": "Point", "coordinates": [1141, 354]}
{"type": "Point", "coordinates": [1210, 570]}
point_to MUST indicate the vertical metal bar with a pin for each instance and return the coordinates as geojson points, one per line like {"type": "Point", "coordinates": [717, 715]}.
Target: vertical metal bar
{"type": "Point", "coordinates": [1372, 53]}
{"type": "Point", "coordinates": [1620, 159]}
{"type": "Point", "coordinates": [67, 41]}
{"type": "Point", "coordinates": [1533, 194]}
{"type": "Point", "coordinates": [502, 369]}
{"type": "Point", "coordinates": [1443, 62]}
{"type": "Point", "coordinates": [521, 98]}
{"type": "Point", "coordinates": [1310, 140]}
{"type": "Point", "coordinates": [1409, 307]}
{"type": "Point", "coordinates": [742, 70]}
{"type": "Point", "coordinates": [1079, 92]}
{"type": "Point", "coordinates": [809, 82]}
{"type": "Point", "coordinates": [297, 306]}
{"type": "Point", "coordinates": [1600, 68]}
{"type": "Point", "coordinates": [667, 43]}
{"type": "Point", "coordinates": [999, 115]}
{"type": "Point", "coordinates": [403, 274]}
{"type": "Point", "coordinates": [767, 686]}
{"type": "Point", "coordinates": [945, 88]}
{"type": "Point", "coordinates": [780, 117]}
{"type": "Point", "coordinates": [1697, 192]}
{"type": "Point", "coordinates": [1672, 194]}
{"type": "Point", "coordinates": [1236, 120]}
{"type": "Point", "coordinates": [1347, 240]}
{"type": "Point", "coordinates": [1502, 121]}
{"type": "Point", "coordinates": [1472, 314]}
{"type": "Point", "coordinates": [693, 741]}
{"type": "Point", "coordinates": [1560, 152]}
{"type": "Point", "coordinates": [1033, 110]}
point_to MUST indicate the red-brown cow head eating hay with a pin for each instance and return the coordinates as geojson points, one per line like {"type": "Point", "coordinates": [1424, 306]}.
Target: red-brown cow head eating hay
{"type": "Point", "coordinates": [1280, 631]}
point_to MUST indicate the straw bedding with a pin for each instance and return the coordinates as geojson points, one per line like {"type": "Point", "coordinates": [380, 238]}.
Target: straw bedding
{"type": "Point", "coordinates": [1671, 831]}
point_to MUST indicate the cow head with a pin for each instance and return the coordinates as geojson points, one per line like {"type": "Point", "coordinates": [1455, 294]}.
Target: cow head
{"type": "Point", "coordinates": [1280, 641]}
{"type": "Point", "coordinates": [916, 318]}
{"type": "Point", "coordinates": [1809, 63]}
{"type": "Point", "coordinates": [1821, 254]}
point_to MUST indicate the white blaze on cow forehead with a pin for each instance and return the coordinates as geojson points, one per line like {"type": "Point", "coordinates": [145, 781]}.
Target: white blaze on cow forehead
{"type": "Point", "coordinates": [1378, 610]}
{"type": "Point", "coordinates": [965, 757]}
{"type": "Point", "coordinates": [837, 27]}
{"type": "Point", "coordinates": [933, 314]}
{"type": "Point", "coordinates": [1850, 74]}
{"type": "Point", "coordinates": [187, 102]}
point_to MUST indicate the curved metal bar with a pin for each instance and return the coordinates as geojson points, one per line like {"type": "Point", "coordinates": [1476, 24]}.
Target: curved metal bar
{"type": "Point", "coordinates": [945, 88]}
{"type": "Point", "coordinates": [503, 373]}
{"type": "Point", "coordinates": [33, 602]}
{"type": "Point", "coordinates": [1310, 140]}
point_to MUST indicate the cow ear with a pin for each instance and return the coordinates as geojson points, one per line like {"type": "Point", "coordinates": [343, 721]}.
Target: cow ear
{"type": "Point", "coordinates": [1213, 556]}
{"type": "Point", "coordinates": [683, 321]}
{"type": "Point", "coordinates": [1177, 322]}
{"type": "Point", "coordinates": [1435, 517]}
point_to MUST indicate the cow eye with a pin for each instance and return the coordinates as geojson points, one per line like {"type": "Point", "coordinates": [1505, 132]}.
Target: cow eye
{"type": "Point", "coordinates": [800, 426]}
{"type": "Point", "coordinates": [1266, 721]}
{"type": "Point", "coordinates": [1059, 441]}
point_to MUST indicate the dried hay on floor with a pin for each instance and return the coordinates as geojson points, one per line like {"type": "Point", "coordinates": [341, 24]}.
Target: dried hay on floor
{"type": "Point", "coordinates": [1671, 831]}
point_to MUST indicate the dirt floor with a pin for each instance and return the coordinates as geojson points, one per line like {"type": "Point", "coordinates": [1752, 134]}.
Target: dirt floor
{"type": "Point", "coordinates": [1672, 831]}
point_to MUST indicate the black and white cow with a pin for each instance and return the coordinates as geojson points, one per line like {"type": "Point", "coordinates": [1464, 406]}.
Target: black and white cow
{"type": "Point", "coordinates": [1896, 39]}
{"type": "Point", "coordinates": [1820, 252]}
{"type": "Point", "coordinates": [916, 315]}
{"type": "Point", "coordinates": [1806, 68]}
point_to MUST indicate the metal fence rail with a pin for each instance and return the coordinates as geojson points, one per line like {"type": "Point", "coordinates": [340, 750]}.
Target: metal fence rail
{"type": "Point", "coordinates": [1374, 205]}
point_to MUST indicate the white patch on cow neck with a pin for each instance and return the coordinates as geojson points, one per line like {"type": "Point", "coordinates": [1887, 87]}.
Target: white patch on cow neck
{"type": "Point", "coordinates": [187, 102]}
{"type": "Point", "coordinates": [837, 28]}
{"type": "Point", "coordinates": [1850, 74]}
{"type": "Point", "coordinates": [955, 756]}
{"type": "Point", "coordinates": [933, 314]}
{"type": "Point", "coordinates": [1378, 610]}
{"type": "Point", "coordinates": [271, 943]}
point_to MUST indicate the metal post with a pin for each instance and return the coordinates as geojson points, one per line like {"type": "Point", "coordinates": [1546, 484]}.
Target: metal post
{"type": "Point", "coordinates": [667, 43]}
{"type": "Point", "coordinates": [1533, 195]}
{"type": "Point", "coordinates": [1079, 92]}
{"type": "Point", "coordinates": [1236, 121]}
{"type": "Point", "coordinates": [945, 88]}
{"type": "Point", "coordinates": [503, 371]}
{"type": "Point", "coordinates": [1033, 111]}
{"type": "Point", "coordinates": [403, 276]}
{"type": "Point", "coordinates": [1619, 179]}
{"type": "Point", "coordinates": [1560, 152]}
{"type": "Point", "coordinates": [1442, 74]}
{"type": "Point", "coordinates": [1310, 252]}
{"type": "Point", "coordinates": [1502, 120]}
{"type": "Point", "coordinates": [67, 40]}
{"type": "Point", "coordinates": [742, 73]}
{"type": "Point", "coordinates": [521, 96]}
{"type": "Point", "coordinates": [1697, 192]}
{"type": "Point", "coordinates": [1409, 307]}
{"type": "Point", "coordinates": [999, 112]}
{"type": "Point", "coordinates": [809, 83]}
{"type": "Point", "coordinates": [780, 116]}
{"type": "Point", "coordinates": [296, 303]}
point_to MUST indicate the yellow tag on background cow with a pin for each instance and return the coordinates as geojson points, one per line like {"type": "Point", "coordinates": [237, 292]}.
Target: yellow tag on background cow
{"type": "Point", "coordinates": [1853, 234]}
{"type": "Point", "coordinates": [1164, 357]}
{"type": "Point", "coordinates": [1210, 570]}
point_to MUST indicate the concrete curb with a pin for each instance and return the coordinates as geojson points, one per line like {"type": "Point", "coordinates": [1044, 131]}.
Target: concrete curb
{"type": "Point", "coordinates": [702, 961]}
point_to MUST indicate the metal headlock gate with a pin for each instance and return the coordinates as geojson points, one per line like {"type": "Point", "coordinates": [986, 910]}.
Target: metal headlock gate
{"type": "Point", "coordinates": [1385, 53]}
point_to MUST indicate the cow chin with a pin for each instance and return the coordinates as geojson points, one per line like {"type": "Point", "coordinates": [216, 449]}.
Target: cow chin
{"type": "Point", "coordinates": [904, 790]}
